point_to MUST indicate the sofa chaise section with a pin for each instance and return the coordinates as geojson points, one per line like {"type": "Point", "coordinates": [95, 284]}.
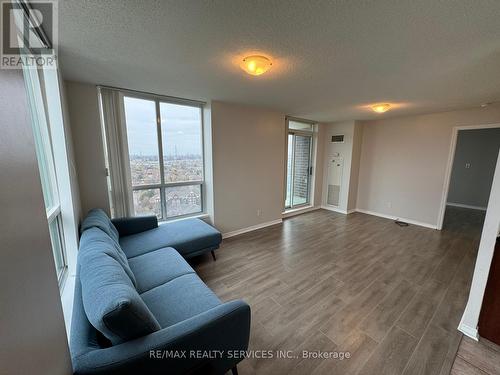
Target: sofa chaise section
{"type": "Point", "coordinates": [189, 237]}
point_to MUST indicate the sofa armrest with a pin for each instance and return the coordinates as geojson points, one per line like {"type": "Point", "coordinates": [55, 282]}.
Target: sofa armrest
{"type": "Point", "coordinates": [132, 225]}
{"type": "Point", "coordinates": [225, 329]}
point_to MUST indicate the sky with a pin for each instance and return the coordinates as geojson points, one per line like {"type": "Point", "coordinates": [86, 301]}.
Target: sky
{"type": "Point", "coordinates": [181, 128]}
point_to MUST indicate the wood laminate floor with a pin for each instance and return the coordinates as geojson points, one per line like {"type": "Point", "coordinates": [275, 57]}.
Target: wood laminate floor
{"type": "Point", "coordinates": [390, 296]}
{"type": "Point", "coordinates": [477, 358]}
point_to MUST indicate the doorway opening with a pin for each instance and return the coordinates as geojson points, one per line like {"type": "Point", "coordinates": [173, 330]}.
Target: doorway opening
{"type": "Point", "coordinates": [471, 170]}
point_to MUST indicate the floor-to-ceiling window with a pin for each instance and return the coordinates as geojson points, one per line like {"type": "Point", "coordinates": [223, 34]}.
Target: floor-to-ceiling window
{"type": "Point", "coordinates": [165, 152]}
{"type": "Point", "coordinates": [299, 164]}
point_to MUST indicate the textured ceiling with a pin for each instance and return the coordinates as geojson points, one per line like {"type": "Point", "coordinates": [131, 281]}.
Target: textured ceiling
{"type": "Point", "coordinates": [331, 58]}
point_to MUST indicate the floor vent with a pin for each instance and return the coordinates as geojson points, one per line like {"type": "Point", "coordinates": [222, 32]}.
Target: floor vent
{"type": "Point", "coordinates": [333, 195]}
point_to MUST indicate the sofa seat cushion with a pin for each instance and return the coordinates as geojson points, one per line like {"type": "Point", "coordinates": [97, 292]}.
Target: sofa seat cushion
{"type": "Point", "coordinates": [110, 300]}
{"type": "Point", "coordinates": [158, 267]}
{"type": "Point", "coordinates": [189, 237]}
{"type": "Point", "coordinates": [180, 299]}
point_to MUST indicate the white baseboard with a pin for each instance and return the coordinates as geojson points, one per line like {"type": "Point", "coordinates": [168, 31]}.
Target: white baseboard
{"type": "Point", "coordinates": [330, 208]}
{"type": "Point", "coordinates": [466, 206]}
{"type": "Point", "coordinates": [334, 209]}
{"type": "Point", "coordinates": [409, 221]}
{"type": "Point", "coordinates": [299, 211]}
{"type": "Point", "coordinates": [250, 229]}
{"type": "Point", "coordinates": [468, 331]}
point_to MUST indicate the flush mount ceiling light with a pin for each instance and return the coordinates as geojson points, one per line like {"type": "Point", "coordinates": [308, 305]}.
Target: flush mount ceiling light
{"type": "Point", "coordinates": [256, 65]}
{"type": "Point", "coordinates": [381, 107]}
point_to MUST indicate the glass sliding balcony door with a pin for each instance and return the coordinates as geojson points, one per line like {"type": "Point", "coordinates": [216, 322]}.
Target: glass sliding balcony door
{"type": "Point", "coordinates": [299, 169]}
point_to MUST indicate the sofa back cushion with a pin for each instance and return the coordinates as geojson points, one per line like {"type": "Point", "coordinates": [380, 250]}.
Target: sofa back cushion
{"type": "Point", "coordinates": [98, 218]}
{"type": "Point", "coordinates": [110, 300]}
{"type": "Point", "coordinates": [95, 240]}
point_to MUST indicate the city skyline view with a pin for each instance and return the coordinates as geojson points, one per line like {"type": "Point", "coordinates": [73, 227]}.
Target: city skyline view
{"type": "Point", "coordinates": [181, 153]}
{"type": "Point", "coordinates": [145, 170]}
{"type": "Point", "coordinates": [180, 128]}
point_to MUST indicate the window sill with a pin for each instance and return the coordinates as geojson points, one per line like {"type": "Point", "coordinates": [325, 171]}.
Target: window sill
{"type": "Point", "coordinates": [198, 216]}
{"type": "Point", "coordinates": [67, 295]}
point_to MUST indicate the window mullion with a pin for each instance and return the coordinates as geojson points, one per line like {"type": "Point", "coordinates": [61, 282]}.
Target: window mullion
{"type": "Point", "coordinates": [160, 153]}
{"type": "Point", "coordinates": [53, 212]}
{"type": "Point", "coordinates": [146, 187]}
{"type": "Point", "coordinates": [183, 183]}
{"type": "Point", "coordinates": [310, 170]}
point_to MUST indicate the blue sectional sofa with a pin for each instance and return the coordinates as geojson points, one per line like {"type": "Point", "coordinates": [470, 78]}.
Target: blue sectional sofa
{"type": "Point", "coordinates": [140, 308]}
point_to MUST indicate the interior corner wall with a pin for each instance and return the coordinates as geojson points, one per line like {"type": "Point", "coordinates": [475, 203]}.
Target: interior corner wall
{"type": "Point", "coordinates": [357, 138]}
{"type": "Point", "coordinates": [248, 145]}
{"type": "Point", "coordinates": [33, 337]}
{"type": "Point", "coordinates": [318, 164]}
{"type": "Point", "coordinates": [88, 145]}
{"type": "Point", "coordinates": [473, 167]}
{"type": "Point", "coordinates": [344, 150]}
{"type": "Point", "coordinates": [404, 159]}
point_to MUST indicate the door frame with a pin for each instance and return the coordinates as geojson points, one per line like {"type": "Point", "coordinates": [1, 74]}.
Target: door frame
{"type": "Point", "coordinates": [470, 318]}
{"type": "Point", "coordinates": [312, 162]}
{"type": "Point", "coordinates": [449, 165]}
{"type": "Point", "coordinates": [296, 133]}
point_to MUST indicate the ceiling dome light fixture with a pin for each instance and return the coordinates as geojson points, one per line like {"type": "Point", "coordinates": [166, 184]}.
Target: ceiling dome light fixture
{"type": "Point", "coordinates": [381, 107]}
{"type": "Point", "coordinates": [256, 65]}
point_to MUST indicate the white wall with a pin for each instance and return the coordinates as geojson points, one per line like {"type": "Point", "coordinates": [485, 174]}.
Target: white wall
{"type": "Point", "coordinates": [479, 150]}
{"type": "Point", "coordinates": [84, 117]}
{"type": "Point", "coordinates": [357, 139]}
{"type": "Point", "coordinates": [403, 162]}
{"type": "Point", "coordinates": [32, 333]}
{"type": "Point", "coordinates": [248, 165]}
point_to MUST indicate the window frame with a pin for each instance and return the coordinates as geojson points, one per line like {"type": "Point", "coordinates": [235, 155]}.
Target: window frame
{"type": "Point", "coordinates": [163, 185]}
{"type": "Point", "coordinates": [41, 120]}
